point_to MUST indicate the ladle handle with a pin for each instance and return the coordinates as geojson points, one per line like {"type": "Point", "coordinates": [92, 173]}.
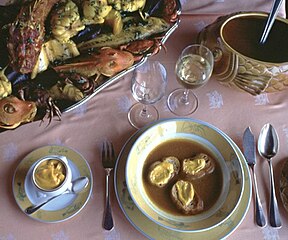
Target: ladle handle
{"type": "Point", "coordinates": [271, 18]}
{"type": "Point", "coordinates": [275, 220]}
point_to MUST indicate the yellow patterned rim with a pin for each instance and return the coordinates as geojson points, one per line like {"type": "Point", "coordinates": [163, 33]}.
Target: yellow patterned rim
{"type": "Point", "coordinates": [203, 134]}
{"type": "Point", "coordinates": [20, 190]}
{"type": "Point", "coordinates": [154, 231]}
{"type": "Point", "coordinates": [284, 185]}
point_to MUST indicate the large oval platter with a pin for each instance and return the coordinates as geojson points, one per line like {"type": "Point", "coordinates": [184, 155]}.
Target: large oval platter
{"type": "Point", "coordinates": [22, 86]}
{"type": "Point", "coordinates": [122, 73]}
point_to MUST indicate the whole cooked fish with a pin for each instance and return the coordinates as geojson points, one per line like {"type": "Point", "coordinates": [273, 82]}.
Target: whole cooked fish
{"type": "Point", "coordinates": [26, 34]}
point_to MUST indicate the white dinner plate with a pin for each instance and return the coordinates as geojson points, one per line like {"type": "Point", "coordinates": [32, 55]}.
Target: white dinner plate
{"type": "Point", "coordinates": [218, 147]}
{"type": "Point", "coordinates": [154, 231]}
{"type": "Point", "coordinates": [62, 208]}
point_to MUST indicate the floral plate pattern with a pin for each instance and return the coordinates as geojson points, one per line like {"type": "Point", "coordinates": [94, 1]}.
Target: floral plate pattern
{"type": "Point", "coordinates": [153, 231]}
{"type": "Point", "coordinates": [284, 185]}
{"type": "Point", "coordinates": [205, 135]}
{"type": "Point", "coordinates": [62, 208]}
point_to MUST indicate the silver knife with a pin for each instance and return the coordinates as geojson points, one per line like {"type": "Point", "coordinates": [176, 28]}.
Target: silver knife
{"type": "Point", "coordinates": [250, 155]}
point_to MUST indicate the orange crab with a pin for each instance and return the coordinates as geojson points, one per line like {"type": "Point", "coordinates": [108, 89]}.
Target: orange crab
{"type": "Point", "coordinates": [14, 111]}
{"type": "Point", "coordinates": [170, 10]}
{"type": "Point", "coordinates": [108, 62]}
{"type": "Point", "coordinates": [141, 47]}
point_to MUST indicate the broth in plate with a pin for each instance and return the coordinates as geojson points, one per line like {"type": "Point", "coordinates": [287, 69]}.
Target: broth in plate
{"type": "Point", "coordinates": [208, 187]}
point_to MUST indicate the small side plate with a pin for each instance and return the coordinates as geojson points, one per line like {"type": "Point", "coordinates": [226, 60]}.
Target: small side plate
{"type": "Point", "coordinates": [67, 205]}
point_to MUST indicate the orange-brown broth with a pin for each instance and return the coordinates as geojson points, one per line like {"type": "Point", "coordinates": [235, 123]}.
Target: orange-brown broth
{"type": "Point", "coordinates": [208, 187]}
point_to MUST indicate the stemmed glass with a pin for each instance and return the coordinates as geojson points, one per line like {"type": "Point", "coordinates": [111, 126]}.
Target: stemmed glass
{"type": "Point", "coordinates": [148, 86]}
{"type": "Point", "coordinates": [193, 69]}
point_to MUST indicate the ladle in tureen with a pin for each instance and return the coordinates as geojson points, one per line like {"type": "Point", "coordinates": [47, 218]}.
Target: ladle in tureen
{"type": "Point", "coordinates": [269, 23]}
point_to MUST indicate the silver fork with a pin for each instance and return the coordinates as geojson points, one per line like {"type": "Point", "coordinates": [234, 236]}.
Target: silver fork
{"type": "Point", "coordinates": [108, 162]}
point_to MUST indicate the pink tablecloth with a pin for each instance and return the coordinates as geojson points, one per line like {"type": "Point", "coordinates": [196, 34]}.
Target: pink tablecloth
{"type": "Point", "coordinates": [228, 6]}
{"type": "Point", "coordinates": [105, 117]}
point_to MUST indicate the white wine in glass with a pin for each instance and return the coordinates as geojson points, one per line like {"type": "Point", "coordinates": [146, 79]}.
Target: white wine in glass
{"type": "Point", "coordinates": [193, 70]}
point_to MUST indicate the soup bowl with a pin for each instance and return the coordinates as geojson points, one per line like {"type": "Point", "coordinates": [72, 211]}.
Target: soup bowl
{"type": "Point", "coordinates": [240, 60]}
{"type": "Point", "coordinates": [203, 136]}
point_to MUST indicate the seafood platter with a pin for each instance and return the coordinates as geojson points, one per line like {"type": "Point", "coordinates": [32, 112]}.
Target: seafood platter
{"type": "Point", "coordinates": [57, 54]}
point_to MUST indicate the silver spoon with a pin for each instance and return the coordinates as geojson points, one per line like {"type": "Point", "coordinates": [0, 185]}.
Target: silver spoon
{"type": "Point", "coordinates": [75, 187]}
{"type": "Point", "coordinates": [268, 147]}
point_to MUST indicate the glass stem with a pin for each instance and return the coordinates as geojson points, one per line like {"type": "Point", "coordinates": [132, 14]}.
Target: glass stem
{"type": "Point", "coordinates": [144, 113]}
{"type": "Point", "coordinates": [184, 98]}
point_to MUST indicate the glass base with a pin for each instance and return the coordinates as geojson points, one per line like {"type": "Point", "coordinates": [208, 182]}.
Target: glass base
{"type": "Point", "coordinates": [178, 106]}
{"type": "Point", "coordinates": [140, 115]}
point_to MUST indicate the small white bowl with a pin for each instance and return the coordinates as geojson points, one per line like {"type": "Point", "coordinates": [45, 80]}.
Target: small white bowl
{"type": "Point", "coordinates": [52, 191]}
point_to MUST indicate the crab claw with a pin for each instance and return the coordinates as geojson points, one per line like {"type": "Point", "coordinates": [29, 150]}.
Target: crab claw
{"type": "Point", "coordinates": [51, 111]}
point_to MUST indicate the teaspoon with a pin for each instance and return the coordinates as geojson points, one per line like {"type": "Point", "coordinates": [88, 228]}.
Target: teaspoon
{"type": "Point", "coordinates": [75, 187]}
{"type": "Point", "coordinates": [268, 147]}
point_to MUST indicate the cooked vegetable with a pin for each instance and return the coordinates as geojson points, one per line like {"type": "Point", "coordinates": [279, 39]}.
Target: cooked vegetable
{"type": "Point", "coordinates": [152, 26]}
{"type": "Point", "coordinates": [54, 50]}
{"type": "Point", "coordinates": [128, 6]}
{"type": "Point", "coordinates": [68, 91]}
{"type": "Point", "coordinates": [5, 85]}
{"type": "Point", "coordinates": [114, 20]}
{"type": "Point", "coordinates": [95, 11]}
{"type": "Point", "coordinates": [65, 21]}
{"type": "Point", "coordinates": [41, 64]}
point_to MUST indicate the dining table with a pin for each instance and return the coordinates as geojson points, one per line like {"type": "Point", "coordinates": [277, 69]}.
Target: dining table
{"type": "Point", "coordinates": [104, 117]}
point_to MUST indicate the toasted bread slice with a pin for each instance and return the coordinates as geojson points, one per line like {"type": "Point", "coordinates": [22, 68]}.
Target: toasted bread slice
{"type": "Point", "coordinates": [198, 166]}
{"type": "Point", "coordinates": [161, 172]}
{"type": "Point", "coordinates": [186, 198]}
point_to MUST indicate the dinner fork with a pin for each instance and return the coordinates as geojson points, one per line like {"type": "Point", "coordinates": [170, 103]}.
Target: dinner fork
{"type": "Point", "coordinates": [108, 162]}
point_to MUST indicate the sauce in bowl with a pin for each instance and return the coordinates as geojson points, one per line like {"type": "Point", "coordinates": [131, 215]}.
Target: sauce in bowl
{"type": "Point", "coordinates": [50, 174]}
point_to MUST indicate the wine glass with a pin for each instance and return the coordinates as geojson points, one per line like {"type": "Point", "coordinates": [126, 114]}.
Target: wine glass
{"type": "Point", "coordinates": [193, 69]}
{"type": "Point", "coordinates": [148, 86]}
